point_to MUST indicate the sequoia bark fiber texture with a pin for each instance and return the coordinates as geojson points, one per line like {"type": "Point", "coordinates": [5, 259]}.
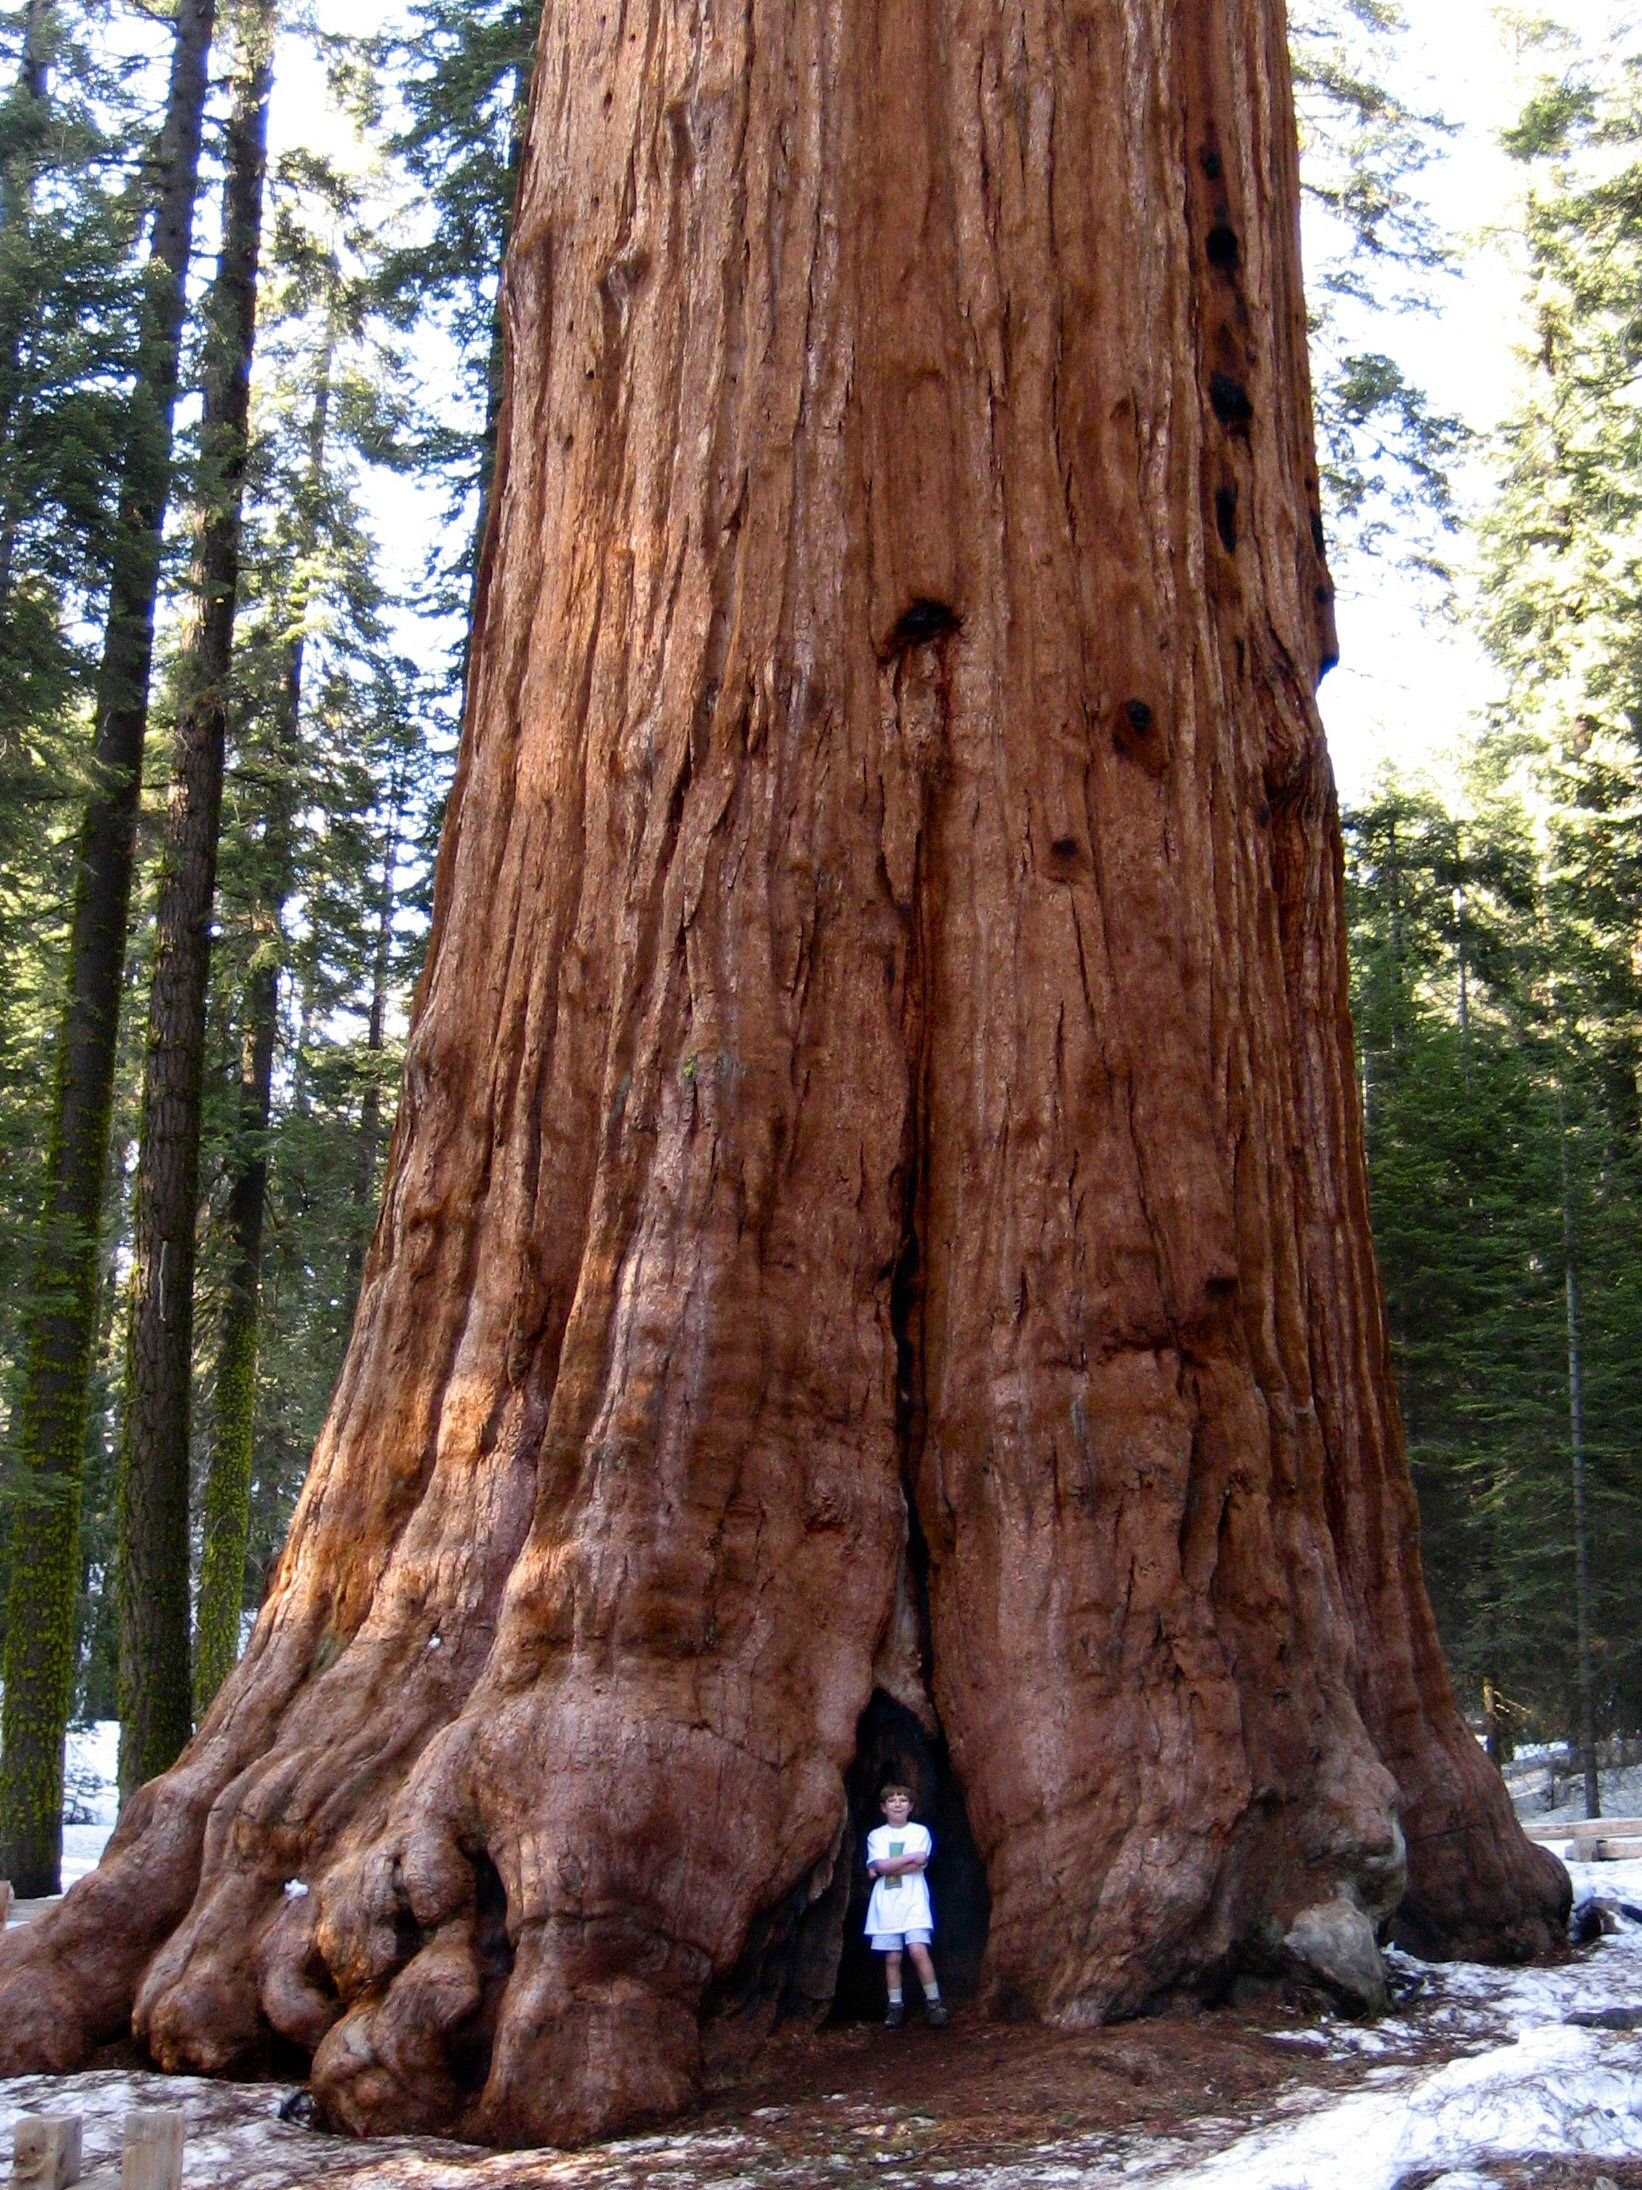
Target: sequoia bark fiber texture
{"type": "Point", "coordinates": [878, 1204]}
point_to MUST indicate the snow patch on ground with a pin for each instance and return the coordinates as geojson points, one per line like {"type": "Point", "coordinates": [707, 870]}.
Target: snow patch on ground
{"type": "Point", "coordinates": [91, 1782]}
{"type": "Point", "coordinates": [1528, 1779]}
{"type": "Point", "coordinates": [1528, 2082]}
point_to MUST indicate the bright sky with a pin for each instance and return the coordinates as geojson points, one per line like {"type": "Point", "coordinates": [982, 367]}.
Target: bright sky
{"type": "Point", "coordinates": [1407, 684]}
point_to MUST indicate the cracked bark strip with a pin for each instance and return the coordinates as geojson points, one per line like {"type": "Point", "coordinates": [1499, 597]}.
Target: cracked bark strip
{"type": "Point", "coordinates": [875, 1249]}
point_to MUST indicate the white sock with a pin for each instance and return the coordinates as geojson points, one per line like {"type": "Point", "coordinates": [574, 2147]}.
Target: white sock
{"type": "Point", "coordinates": [896, 1996]}
{"type": "Point", "coordinates": [932, 1991]}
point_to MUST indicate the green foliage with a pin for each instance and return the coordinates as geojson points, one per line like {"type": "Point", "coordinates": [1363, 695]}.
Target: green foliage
{"type": "Point", "coordinates": [1375, 253]}
{"type": "Point", "coordinates": [1478, 1082]}
{"type": "Point", "coordinates": [69, 215]}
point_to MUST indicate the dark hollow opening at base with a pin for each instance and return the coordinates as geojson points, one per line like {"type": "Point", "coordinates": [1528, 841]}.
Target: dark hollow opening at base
{"type": "Point", "coordinates": [470, 2045]}
{"type": "Point", "coordinates": [891, 1744]}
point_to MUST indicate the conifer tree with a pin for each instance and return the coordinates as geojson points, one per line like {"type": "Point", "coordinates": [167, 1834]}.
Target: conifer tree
{"type": "Point", "coordinates": [156, 1714]}
{"type": "Point", "coordinates": [61, 1305]}
{"type": "Point", "coordinates": [1385, 453]}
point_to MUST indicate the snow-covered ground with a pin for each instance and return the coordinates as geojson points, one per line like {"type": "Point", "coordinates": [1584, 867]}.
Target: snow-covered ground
{"type": "Point", "coordinates": [91, 1774]}
{"type": "Point", "coordinates": [1529, 1779]}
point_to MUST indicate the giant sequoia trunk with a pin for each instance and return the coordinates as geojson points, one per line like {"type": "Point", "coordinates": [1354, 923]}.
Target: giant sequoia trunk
{"type": "Point", "coordinates": [875, 1251]}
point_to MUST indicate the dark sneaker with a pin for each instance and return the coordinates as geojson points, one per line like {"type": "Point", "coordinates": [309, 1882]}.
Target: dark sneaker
{"type": "Point", "coordinates": [936, 2011]}
{"type": "Point", "coordinates": [895, 2015]}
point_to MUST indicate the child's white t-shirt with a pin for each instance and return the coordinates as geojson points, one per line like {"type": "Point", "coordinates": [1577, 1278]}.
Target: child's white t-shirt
{"type": "Point", "coordinates": [902, 1903]}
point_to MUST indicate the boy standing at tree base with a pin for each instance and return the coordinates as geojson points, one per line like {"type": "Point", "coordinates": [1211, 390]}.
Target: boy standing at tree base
{"type": "Point", "coordinates": [899, 1916]}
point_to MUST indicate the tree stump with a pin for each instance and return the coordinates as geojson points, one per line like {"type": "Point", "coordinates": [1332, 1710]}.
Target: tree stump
{"type": "Point", "coordinates": [874, 1272]}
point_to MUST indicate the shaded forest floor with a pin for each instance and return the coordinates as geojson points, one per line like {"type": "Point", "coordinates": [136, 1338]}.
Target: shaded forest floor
{"type": "Point", "coordinates": [1478, 2080]}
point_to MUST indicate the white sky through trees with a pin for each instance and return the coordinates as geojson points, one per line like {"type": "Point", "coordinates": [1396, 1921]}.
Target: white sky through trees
{"type": "Point", "coordinates": [1409, 681]}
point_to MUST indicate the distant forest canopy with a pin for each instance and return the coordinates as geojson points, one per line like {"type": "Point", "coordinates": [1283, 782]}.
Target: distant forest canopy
{"type": "Point", "coordinates": [294, 734]}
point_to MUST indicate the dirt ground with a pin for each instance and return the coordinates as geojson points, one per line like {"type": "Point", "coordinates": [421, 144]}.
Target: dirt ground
{"type": "Point", "coordinates": [978, 2106]}
{"type": "Point", "coordinates": [984, 2093]}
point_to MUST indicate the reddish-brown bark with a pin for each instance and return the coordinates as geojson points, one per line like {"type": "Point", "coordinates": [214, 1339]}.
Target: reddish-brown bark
{"type": "Point", "coordinates": [878, 1203]}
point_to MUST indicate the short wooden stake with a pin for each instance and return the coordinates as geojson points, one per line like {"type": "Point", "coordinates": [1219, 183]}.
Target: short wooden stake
{"type": "Point", "coordinates": [5, 1902]}
{"type": "Point", "coordinates": [46, 2151]}
{"type": "Point", "coordinates": [152, 2159]}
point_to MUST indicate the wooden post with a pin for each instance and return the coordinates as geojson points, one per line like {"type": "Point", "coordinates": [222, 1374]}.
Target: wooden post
{"type": "Point", "coordinates": [5, 1902]}
{"type": "Point", "coordinates": [46, 2151]}
{"type": "Point", "coordinates": [152, 2159]}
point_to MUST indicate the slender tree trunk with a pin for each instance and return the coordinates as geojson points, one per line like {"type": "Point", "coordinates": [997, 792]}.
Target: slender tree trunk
{"type": "Point", "coordinates": [60, 1315]}
{"type": "Point", "coordinates": [227, 1515]}
{"type": "Point", "coordinates": [875, 1254]}
{"type": "Point", "coordinates": [1576, 1447]}
{"type": "Point", "coordinates": [226, 1519]}
{"type": "Point", "coordinates": [369, 1148]}
{"type": "Point", "coordinates": [156, 1714]}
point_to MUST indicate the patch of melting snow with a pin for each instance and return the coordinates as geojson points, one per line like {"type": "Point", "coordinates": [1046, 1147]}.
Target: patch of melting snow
{"type": "Point", "coordinates": [1531, 2083]}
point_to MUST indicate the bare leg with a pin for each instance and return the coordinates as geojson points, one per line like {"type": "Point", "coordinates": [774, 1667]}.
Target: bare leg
{"type": "Point", "coordinates": [892, 1970]}
{"type": "Point", "coordinates": [922, 1964]}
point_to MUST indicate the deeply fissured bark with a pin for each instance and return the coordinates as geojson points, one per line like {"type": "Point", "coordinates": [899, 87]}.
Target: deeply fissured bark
{"type": "Point", "coordinates": [878, 1203]}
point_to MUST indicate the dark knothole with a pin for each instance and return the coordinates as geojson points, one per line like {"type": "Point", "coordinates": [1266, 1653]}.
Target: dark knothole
{"type": "Point", "coordinates": [470, 2042]}
{"type": "Point", "coordinates": [1212, 166]}
{"type": "Point", "coordinates": [892, 1744]}
{"type": "Point", "coordinates": [1138, 716]}
{"type": "Point", "coordinates": [924, 623]}
{"type": "Point", "coordinates": [1225, 517]}
{"type": "Point", "coordinates": [1230, 400]}
{"type": "Point", "coordinates": [1222, 248]}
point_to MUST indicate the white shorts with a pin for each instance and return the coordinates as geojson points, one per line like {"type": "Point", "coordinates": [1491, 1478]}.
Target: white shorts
{"type": "Point", "coordinates": [891, 1942]}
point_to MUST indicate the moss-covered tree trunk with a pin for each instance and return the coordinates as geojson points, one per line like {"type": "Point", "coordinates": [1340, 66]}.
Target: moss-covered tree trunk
{"type": "Point", "coordinates": [226, 1518]}
{"type": "Point", "coordinates": [875, 1246]}
{"type": "Point", "coordinates": [156, 1688]}
{"type": "Point", "coordinates": [60, 1315]}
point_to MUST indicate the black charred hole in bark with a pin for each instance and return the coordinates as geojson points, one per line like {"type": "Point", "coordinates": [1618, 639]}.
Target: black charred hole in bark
{"type": "Point", "coordinates": [1211, 163]}
{"type": "Point", "coordinates": [922, 623]}
{"type": "Point", "coordinates": [272, 2059]}
{"type": "Point", "coordinates": [1222, 248]}
{"type": "Point", "coordinates": [470, 2045]}
{"type": "Point", "coordinates": [408, 1936]}
{"type": "Point", "coordinates": [1229, 400]}
{"type": "Point", "coordinates": [1225, 516]}
{"type": "Point", "coordinates": [1137, 737]}
{"type": "Point", "coordinates": [893, 1744]}
{"type": "Point", "coordinates": [316, 1972]}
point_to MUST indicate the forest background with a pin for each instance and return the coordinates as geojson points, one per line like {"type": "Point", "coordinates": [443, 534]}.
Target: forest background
{"type": "Point", "coordinates": [249, 369]}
